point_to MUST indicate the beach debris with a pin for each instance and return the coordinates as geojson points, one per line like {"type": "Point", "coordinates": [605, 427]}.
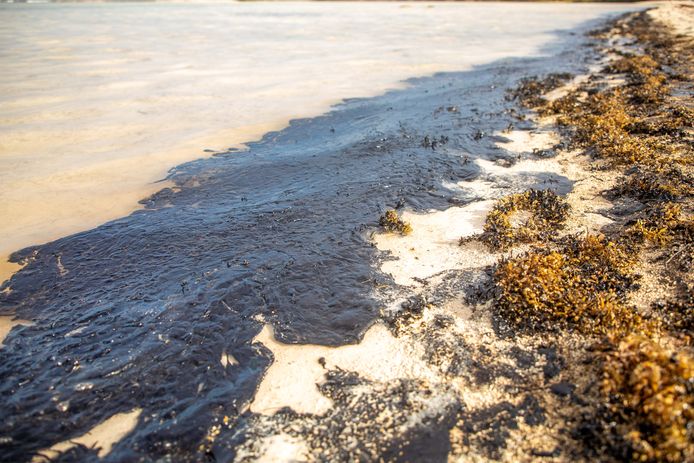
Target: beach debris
{"type": "Point", "coordinates": [678, 316]}
{"type": "Point", "coordinates": [562, 389]}
{"type": "Point", "coordinates": [663, 183]}
{"type": "Point", "coordinates": [650, 393]}
{"type": "Point", "coordinates": [450, 109]}
{"type": "Point", "coordinates": [410, 311]}
{"type": "Point", "coordinates": [522, 218]}
{"type": "Point", "coordinates": [486, 429]}
{"type": "Point", "coordinates": [433, 142]}
{"type": "Point", "coordinates": [530, 90]}
{"type": "Point", "coordinates": [366, 423]}
{"type": "Point", "coordinates": [228, 359]}
{"type": "Point", "coordinates": [582, 286]}
{"type": "Point", "coordinates": [391, 222]}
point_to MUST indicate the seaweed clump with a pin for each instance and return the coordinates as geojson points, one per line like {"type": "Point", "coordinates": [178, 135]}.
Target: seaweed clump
{"type": "Point", "coordinates": [530, 90]}
{"type": "Point", "coordinates": [664, 182]}
{"type": "Point", "coordinates": [650, 395]}
{"type": "Point", "coordinates": [523, 218]}
{"type": "Point", "coordinates": [659, 227]}
{"type": "Point", "coordinates": [391, 222]}
{"type": "Point", "coordinates": [582, 286]}
{"type": "Point", "coordinates": [647, 84]}
{"type": "Point", "coordinates": [601, 123]}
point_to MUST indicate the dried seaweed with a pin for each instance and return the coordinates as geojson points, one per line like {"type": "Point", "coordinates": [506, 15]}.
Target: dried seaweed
{"type": "Point", "coordinates": [530, 90]}
{"type": "Point", "coordinates": [651, 400]}
{"type": "Point", "coordinates": [580, 286]}
{"type": "Point", "coordinates": [523, 218]}
{"type": "Point", "coordinates": [658, 227]}
{"type": "Point", "coordinates": [391, 222]}
{"type": "Point", "coordinates": [645, 408]}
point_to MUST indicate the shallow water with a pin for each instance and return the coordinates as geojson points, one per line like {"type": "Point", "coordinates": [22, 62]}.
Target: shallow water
{"type": "Point", "coordinates": [137, 313]}
{"type": "Point", "coordinates": [98, 101]}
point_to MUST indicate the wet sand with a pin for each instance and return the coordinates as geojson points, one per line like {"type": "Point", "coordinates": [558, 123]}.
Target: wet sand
{"type": "Point", "coordinates": [7, 322]}
{"type": "Point", "coordinates": [102, 436]}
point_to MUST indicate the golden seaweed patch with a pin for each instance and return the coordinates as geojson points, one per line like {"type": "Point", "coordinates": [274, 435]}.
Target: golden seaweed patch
{"type": "Point", "coordinates": [651, 399]}
{"type": "Point", "coordinates": [659, 227]}
{"type": "Point", "coordinates": [646, 409]}
{"type": "Point", "coordinates": [391, 222]}
{"type": "Point", "coordinates": [648, 84]}
{"type": "Point", "coordinates": [579, 286]}
{"type": "Point", "coordinates": [523, 218]}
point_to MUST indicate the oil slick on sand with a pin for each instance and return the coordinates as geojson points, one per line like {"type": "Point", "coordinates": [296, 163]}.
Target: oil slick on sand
{"type": "Point", "coordinates": [431, 248]}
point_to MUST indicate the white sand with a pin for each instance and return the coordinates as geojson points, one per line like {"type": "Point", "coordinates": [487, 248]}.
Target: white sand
{"type": "Point", "coordinates": [433, 244]}
{"type": "Point", "coordinates": [282, 448]}
{"type": "Point", "coordinates": [291, 379]}
{"type": "Point", "coordinates": [493, 170]}
{"type": "Point", "coordinates": [104, 435]}
{"type": "Point", "coordinates": [676, 14]}
{"type": "Point", "coordinates": [525, 141]}
{"type": "Point", "coordinates": [97, 101]}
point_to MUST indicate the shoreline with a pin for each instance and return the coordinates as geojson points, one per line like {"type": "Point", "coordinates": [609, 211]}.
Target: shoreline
{"type": "Point", "coordinates": [78, 165]}
{"type": "Point", "coordinates": [437, 375]}
{"type": "Point", "coordinates": [172, 271]}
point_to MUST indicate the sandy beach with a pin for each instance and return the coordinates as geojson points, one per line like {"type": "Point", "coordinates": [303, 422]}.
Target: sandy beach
{"type": "Point", "coordinates": [464, 266]}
